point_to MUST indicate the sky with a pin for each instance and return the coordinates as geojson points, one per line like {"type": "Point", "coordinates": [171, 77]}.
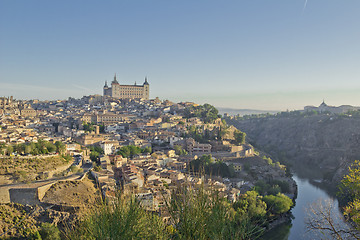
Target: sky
{"type": "Point", "coordinates": [253, 54]}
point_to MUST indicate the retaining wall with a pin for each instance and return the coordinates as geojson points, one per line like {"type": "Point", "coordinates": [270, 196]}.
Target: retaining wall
{"type": "Point", "coordinates": [4, 195]}
{"type": "Point", "coordinates": [24, 196]}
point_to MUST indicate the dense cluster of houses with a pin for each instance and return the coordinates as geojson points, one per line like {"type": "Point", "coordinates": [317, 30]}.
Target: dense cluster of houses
{"type": "Point", "coordinates": [113, 123]}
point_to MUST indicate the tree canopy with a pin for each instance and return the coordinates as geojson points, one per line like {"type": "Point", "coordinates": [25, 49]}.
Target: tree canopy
{"type": "Point", "coordinates": [40, 147]}
{"type": "Point", "coordinates": [350, 193]}
{"type": "Point", "coordinates": [239, 137]}
{"type": "Point", "coordinates": [207, 113]}
{"type": "Point", "coordinates": [278, 204]}
{"type": "Point", "coordinates": [131, 150]}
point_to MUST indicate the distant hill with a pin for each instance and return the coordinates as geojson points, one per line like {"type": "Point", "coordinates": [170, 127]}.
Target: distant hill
{"type": "Point", "coordinates": [242, 112]}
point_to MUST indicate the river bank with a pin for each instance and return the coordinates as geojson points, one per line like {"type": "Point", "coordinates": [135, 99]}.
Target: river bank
{"type": "Point", "coordinates": [309, 195]}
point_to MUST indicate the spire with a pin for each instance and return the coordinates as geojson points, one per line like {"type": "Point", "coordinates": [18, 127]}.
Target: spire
{"type": "Point", "coordinates": [146, 82]}
{"type": "Point", "coordinates": [323, 104]}
{"type": "Point", "coordinates": [115, 81]}
{"type": "Point", "coordinates": [106, 84]}
{"type": "Point", "coordinates": [135, 83]}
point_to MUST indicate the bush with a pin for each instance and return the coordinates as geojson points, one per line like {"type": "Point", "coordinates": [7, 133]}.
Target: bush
{"type": "Point", "coordinates": [49, 232]}
{"type": "Point", "coordinates": [123, 219]}
{"type": "Point", "coordinates": [195, 213]}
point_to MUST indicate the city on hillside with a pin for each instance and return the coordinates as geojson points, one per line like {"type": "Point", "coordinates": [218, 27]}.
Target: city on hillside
{"type": "Point", "coordinates": [65, 155]}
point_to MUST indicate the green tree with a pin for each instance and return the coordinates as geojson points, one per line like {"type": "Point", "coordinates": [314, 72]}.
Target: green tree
{"type": "Point", "coordinates": [147, 150]}
{"type": "Point", "coordinates": [239, 137]}
{"type": "Point", "coordinates": [60, 147]}
{"type": "Point", "coordinates": [222, 131]}
{"type": "Point", "coordinates": [207, 113]}
{"type": "Point", "coordinates": [88, 127]}
{"type": "Point", "coordinates": [278, 204]}
{"type": "Point", "coordinates": [50, 147]}
{"type": "Point", "coordinates": [9, 149]}
{"type": "Point", "coordinates": [350, 194]}
{"type": "Point", "coordinates": [130, 151]}
{"type": "Point", "coordinates": [350, 184]}
{"type": "Point", "coordinates": [134, 150]}
{"type": "Point", "coordinates": [2, 146]}
{"type": "Point", "coordinates": [94, 156]}
{"type": "Point", "coordinates": [251, 205]}
{"type": "Point", "coordinates": [179, 150]}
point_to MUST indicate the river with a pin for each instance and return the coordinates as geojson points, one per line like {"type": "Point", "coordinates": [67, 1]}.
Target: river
{"type": "Point", "coordinates": [308, 194]}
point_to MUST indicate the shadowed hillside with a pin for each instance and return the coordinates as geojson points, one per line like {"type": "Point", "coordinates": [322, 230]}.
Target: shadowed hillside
{"type": "Point", "coordinates": [320, 145]}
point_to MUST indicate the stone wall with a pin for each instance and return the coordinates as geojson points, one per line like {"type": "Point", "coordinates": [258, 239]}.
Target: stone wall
{"type": "Point", "coordinates": [41, 191]}
{"type": "Point", "coordinates": [24, 196]}
{"type": "Point", "coordinates": [4, 195]}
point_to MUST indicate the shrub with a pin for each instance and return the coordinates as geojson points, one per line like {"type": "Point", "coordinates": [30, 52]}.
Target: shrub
{"type": "Point", "coordinates": [49, 232]}
{"type": "Point", "coordinates": [122, 219]}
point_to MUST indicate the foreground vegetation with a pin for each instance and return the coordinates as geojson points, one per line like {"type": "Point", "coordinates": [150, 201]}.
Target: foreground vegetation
{"type": "Point", "coordinates": [192, 213]}
{"type": "Point", "coordinates": [321, 216]}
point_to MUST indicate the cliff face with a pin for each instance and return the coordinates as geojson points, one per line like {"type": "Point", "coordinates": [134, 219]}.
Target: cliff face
{"type": "Point", "coordinates": [325, 145]}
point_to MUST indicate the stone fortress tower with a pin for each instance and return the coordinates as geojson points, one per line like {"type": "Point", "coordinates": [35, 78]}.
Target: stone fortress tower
{"type": "Point", "coordinates": [121, 91]}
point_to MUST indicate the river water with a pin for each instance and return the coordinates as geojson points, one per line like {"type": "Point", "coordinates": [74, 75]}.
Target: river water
{"type": "Point", "coordinates": [308, 195]}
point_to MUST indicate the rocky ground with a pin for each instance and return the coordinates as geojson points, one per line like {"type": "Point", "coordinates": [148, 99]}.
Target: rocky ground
{"type": "Point", "coordinates": [21, 222]}
{"type": "Point", "coordinates": [73, 193]}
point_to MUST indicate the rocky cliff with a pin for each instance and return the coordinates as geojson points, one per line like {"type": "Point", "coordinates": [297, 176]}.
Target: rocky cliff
{"type": "Point", "coordinates": [321, 145]}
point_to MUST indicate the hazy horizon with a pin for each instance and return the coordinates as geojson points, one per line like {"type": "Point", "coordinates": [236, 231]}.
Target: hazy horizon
{"type": "Point", "coordinates": [264, 55]}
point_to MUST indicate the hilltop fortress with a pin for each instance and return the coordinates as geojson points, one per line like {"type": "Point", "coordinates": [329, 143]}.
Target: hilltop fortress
{"type": "Point", "coordinates": [121, 91]}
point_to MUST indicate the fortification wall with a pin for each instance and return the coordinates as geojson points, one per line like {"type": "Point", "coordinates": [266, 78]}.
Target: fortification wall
{"type": "Point", "coordinates": [24, 196]}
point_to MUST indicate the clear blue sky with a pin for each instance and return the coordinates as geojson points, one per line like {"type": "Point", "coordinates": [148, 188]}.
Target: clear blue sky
{"type": "Point", "coordinates": [241, 54]}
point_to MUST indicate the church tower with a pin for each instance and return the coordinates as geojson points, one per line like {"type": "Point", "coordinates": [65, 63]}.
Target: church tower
{"type": "Point", "coordinates": [115, 88]}
{"type": "Point", "coordinates": [146, 89]}
{"type": "Point", "coordinates": [107, 90]}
